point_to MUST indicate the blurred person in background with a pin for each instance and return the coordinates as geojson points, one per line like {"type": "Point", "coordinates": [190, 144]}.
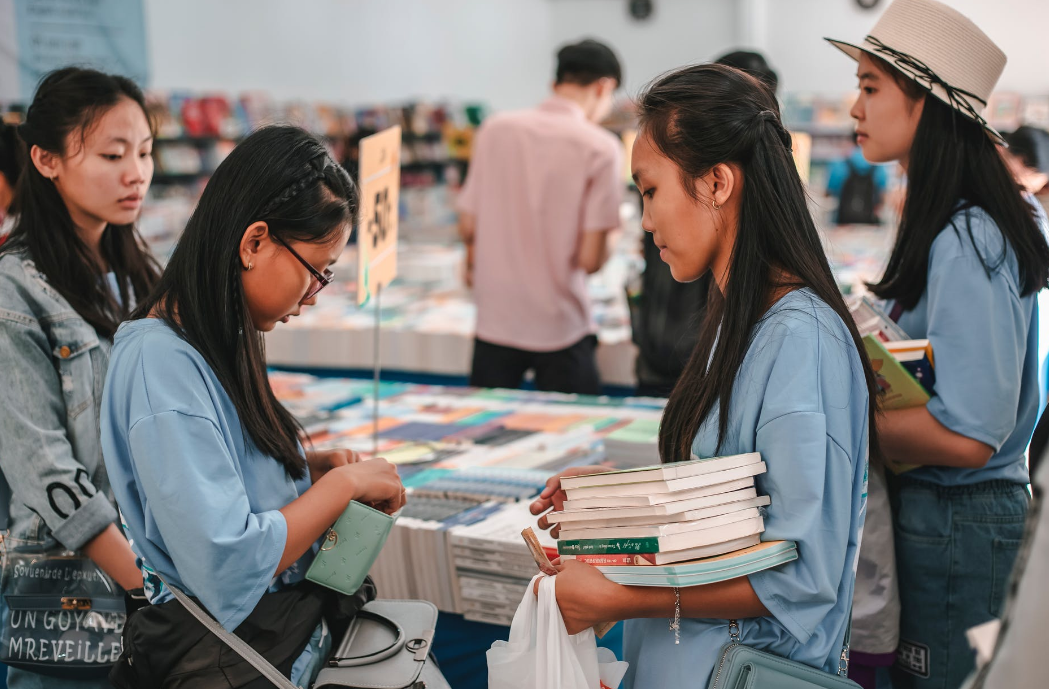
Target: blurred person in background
{"type": "Point", "coordinates": [1027, 157]}
{"type": "Point", "coordinates": [541, 197]}
{"type": "Point", "coordinates": [859, 187]}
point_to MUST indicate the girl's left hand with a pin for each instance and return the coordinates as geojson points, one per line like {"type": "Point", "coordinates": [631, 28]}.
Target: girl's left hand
{"type": "Point", "coordinates": [585, 597]}
{"type": "Point", "coordinates": [323, 461]}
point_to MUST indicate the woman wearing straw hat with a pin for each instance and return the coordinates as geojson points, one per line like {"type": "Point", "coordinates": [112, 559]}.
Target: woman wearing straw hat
{"type": "Point", "coordinates": [966, 264]}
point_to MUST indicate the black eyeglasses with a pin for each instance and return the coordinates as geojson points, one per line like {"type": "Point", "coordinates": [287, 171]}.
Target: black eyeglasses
{"type": "Point", "coordinates": [319, 281]}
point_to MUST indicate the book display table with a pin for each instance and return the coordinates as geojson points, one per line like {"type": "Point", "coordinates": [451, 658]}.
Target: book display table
{"type": "Point", "coordinates": [428, 323]}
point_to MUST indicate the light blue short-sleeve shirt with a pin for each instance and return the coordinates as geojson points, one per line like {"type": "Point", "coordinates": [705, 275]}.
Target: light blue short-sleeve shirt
{"type": "Point", "coordinates": [984, 339]}
{"type": "Point", "coordinates": [800, 399]}
{"type": "Point", "coordinates": [200, 503]}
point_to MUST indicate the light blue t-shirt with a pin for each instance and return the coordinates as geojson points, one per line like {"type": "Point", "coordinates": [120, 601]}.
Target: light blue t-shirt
{"type": "Point", "coordinates": [800, 399]}
{"type": "Point", "coordinates": [984, 338]}
{"type": "Point", "coordinates": [199, 502]}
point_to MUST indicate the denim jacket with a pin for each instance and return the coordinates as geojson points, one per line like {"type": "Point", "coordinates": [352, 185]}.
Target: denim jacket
{"type": "Point", "coordinates": [52, 369]}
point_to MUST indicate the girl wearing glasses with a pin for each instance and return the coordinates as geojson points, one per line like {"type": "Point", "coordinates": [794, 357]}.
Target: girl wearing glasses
{"type": "Point", "coordinates": [217, 495]}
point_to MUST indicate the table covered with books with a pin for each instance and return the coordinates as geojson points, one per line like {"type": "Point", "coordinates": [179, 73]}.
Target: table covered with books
{"type": "Point", "coordinates": [473, 460]}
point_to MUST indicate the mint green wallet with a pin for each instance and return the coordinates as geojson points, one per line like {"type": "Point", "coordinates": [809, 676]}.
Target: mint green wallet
{"type": "Point", "coordinates": [350, 548]}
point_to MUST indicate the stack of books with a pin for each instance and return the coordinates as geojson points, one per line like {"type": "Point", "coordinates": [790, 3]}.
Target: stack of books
{"type": "Point", "coordinates": [662, 525]}
{"type": "Point", "coordinates": [904, 368]}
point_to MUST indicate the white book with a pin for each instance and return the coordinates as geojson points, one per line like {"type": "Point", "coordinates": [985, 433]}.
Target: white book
{"type": "Point", "coordinates": [660, 472]}
{"type": "Point", "coordinates": [657, 531]}
{"type": "Point", "coordinates": [665, 544]}
{"type": "Point", "coordinates": [739, 467]}
{"type": "Point", "coordinates": [684, 489]}
{"type": "Point", "coordinates": [689, 516]}
{"type": "Point", "coordinates": [698, 553]}
{"type": "Point", "coordinates": [733, 492]}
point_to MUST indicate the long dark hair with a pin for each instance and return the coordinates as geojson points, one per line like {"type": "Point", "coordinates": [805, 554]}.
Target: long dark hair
{"type": "Point", "coordinates": [953, 161]}
{"type": "Point", "coordinates": [698, 117]}
{"type": "Point", "coordinates": [285, 178]}
{"type": "Point", "coordinates": [67, 103]}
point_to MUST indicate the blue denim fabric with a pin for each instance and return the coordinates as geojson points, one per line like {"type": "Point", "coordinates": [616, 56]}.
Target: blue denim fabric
{"type": "Point", "coordinates": [52, 370]}
{"type": "Point", "coordinates": [955, 548]}
{"type": "Point", "coordinates": [53, 489]}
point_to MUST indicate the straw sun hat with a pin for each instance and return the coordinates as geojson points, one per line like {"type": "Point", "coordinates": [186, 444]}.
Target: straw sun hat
{"type": "Point", "coordinates": [939, 48]}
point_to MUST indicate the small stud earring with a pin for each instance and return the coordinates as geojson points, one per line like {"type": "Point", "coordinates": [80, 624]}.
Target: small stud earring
{"type": "Point", "coordinates": [250, 265]}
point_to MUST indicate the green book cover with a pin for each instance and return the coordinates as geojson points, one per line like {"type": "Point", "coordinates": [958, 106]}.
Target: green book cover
{"type": "Point", "coordinates": [608, 545]}
{"type": "Point", "coordinates": [898, 388]}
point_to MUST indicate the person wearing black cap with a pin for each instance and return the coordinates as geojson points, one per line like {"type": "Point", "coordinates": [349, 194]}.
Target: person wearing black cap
{"type": "Point", "coordinates": [541, 197]}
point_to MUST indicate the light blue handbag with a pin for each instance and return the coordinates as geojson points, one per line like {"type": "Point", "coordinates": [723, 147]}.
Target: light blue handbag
{"type": "Point", "coordinates": [743, 667]}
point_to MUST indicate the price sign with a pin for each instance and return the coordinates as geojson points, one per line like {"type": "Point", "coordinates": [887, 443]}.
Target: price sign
{"type": "Point", "coordinates": [380, 183]}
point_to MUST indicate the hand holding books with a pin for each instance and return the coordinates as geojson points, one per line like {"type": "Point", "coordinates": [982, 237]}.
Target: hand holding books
{"type": "Point", "coordinates": [553, 496]}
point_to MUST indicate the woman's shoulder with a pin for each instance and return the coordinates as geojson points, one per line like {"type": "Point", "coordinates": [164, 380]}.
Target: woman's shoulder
{"type": "Point", "coordinates": [971, 232]}
{"type": "Point", "coordinates": [150, 357]}
{"type": "Point", "coordinates": [16, 267]}
{"type": "Point", "coordinates": [801, 313]}
{"type": "Point", "coordinates": [153, 340]}
{"type": "Point", "coordinates": [803, 331]}
{"type": "Point", "coordinates": [25, 292]}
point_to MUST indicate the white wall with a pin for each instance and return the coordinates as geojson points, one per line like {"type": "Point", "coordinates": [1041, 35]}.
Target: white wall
{"type": "Point", "coordinates": [501, 51]}
{"type": "Point", "coordinates": [807, 64]}
{"type": "Point", "coordinates": [354, 51]}
{"type": "Point", "coordinates": [679, 32]}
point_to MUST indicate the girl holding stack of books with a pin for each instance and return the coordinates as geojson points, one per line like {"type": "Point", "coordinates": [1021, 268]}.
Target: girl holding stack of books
{"type": "Point", "coordinates": [779, 369]}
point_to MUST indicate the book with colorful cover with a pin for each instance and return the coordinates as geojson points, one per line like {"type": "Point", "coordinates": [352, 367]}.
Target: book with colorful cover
{"type": "Point", "coordinates": [897, 387]}
{"type": "Point", "coordinates": [663, 544]}
{"type": "Point", "coordinates": [657, 559]}
{"type": "Point", "coordinates": [916, 357]}
{"type": "Point", "coordinates": [732, 565]}
{"type": "Point", "coordinates": [583, 486]}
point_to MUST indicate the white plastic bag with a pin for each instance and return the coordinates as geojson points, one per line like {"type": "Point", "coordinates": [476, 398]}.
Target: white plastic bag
{"type": "Point", "coordinates": [541, 655]}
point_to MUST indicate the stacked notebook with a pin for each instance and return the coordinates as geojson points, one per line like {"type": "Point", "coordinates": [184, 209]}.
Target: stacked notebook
{"type": "Point", "coordinates": [664, 514]}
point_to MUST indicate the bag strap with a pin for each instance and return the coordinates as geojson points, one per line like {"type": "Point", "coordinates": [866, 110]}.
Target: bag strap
{"type": "Point", "coordinates": [374, 657]}
{"type": "Point", "coordinates": [245, 651]}
{"type": "Point", "coordinates": [843, 661]}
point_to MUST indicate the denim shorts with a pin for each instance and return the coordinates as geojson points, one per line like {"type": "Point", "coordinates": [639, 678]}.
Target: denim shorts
{"type": "Point", "coordinates": [955, 548]}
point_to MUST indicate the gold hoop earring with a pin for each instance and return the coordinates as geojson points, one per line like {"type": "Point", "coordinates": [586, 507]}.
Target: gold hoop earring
{"type": "Point", "coordinates": [714, 205]}
{"type": "Point", "coordinates": [250, 265]}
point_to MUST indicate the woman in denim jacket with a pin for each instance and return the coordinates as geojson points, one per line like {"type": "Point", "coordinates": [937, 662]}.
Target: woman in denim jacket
{"type": "Point", "coordinates": [69, 273]}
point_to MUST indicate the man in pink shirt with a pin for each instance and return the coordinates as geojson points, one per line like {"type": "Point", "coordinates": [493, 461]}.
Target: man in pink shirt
{"type": "Point", "coordinates": [541, 197]}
